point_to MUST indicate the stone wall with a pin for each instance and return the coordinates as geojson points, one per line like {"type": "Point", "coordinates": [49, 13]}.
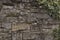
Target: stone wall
{"type": "Point", "coordinates": [25, 20]}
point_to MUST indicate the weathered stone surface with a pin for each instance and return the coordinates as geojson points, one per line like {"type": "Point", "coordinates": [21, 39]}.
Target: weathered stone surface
{"type": "Point", "coordinates": [25, 20]}
{"type": "Point", "coordinates": [6, 25]}
{"type": "Point", "coordinates": [21, 26]}
{"type": "Point", "coordinates": [11, 19]}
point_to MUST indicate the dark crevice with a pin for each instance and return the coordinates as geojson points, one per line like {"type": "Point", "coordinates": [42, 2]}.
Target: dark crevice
{"type": "Point", "coordinates": [8, 4]}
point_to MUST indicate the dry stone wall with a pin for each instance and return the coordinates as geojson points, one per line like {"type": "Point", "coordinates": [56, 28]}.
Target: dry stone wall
{"type": "Point", "coordinates": [24, 20]}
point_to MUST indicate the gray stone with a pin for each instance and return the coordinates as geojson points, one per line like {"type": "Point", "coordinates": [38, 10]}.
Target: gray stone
{"type": "Point", "coordinates": [33, 22]}
{"type": "Point", "coordinates": [6, 25]}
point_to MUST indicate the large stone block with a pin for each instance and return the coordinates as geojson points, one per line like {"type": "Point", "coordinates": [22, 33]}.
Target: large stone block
{"type": "Point", "coordinates": [7, 25]}
{"type": "Point", "coordinates": [11, 19]}
{"type": "Point", "coordinates": [30, 36]}
{"type": "Point", "coordinates": [20, 26]}
{"type": "Point", "coordinates": [7, 7]}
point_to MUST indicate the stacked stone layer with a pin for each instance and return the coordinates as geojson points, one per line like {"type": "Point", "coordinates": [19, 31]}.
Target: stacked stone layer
{"type": "Point", "coordinates": [24, 20]}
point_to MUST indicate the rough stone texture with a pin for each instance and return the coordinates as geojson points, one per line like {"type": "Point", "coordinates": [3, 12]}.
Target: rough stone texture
{"type": "Point", "coordinates": [25, 20]}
